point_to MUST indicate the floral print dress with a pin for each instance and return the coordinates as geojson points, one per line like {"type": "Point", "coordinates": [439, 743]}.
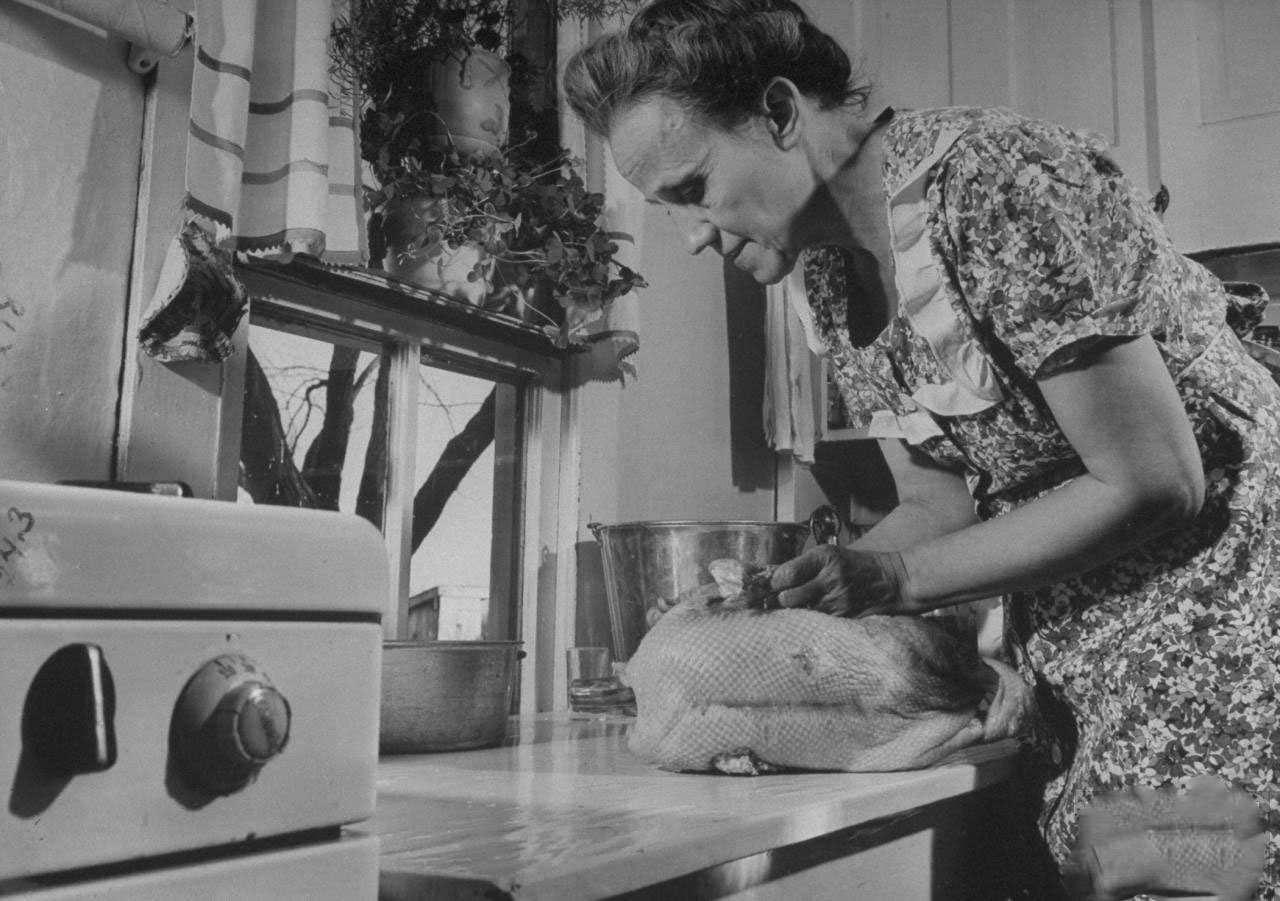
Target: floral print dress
{"type": "Point", "coordinates": [1018, 246]}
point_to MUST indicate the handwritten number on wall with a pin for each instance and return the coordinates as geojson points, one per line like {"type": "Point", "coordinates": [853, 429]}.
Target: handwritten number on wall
{"type": "Point", "coordinates": [10, 313]}
{"type": "Point", "coordinates": [13, 537]}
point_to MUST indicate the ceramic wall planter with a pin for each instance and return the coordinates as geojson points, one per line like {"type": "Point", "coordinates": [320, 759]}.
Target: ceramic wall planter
{"type": "Point", "coordinates": [472, 101]}
{"type": "Point", "coordinates": [447, 272]}
{"type": "Point", "coordinates": [440, 268]}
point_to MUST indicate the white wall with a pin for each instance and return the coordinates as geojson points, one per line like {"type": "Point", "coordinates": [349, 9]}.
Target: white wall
{"type": "Point", "coordinates": [1218, 107]}
{"type": "Point", "coordinates": [70, 139]}
{"type": "Point", "coordinates": [1186, 91]}
{"type": "Point", "coordinates": [75, 159]}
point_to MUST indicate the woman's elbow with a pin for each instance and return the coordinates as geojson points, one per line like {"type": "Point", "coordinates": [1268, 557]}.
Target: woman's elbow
{"type": "Point", "coordinates": [1173, 501]}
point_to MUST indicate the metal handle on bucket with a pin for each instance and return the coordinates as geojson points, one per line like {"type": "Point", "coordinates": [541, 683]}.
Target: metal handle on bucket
{"type": "Point", "coordinates": [824, 525]}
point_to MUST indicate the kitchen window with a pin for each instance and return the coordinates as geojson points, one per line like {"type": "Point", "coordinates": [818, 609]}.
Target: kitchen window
{"type": "Point", "coordinates": [317, 433]}
{"type": "Point", "coordinates": [439, 423]}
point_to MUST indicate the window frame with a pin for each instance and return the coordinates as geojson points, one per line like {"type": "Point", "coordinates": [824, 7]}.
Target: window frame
{"type": "Point", "coordinates": [308, 297]}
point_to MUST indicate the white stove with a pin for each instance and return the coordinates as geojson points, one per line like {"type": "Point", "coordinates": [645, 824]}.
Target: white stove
{"type": "Point", "coordinates": [188, 697]}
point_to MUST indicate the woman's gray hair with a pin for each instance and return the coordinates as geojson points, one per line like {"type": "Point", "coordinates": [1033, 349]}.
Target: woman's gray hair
{"type": "Point", "coordinates": [714, 56]}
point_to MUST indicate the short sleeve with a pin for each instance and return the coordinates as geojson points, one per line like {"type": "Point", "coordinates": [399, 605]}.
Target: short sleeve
{"type": "Point", "coordinates": [1053, 249]}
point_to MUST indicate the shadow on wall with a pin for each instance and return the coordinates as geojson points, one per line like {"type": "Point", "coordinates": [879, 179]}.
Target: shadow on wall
{"type": "Point", "coordinates": [854, 477]}
{"type": "Point", "coordinates": [753, 465]}
{"type": "Point", "coordinates": [592, 626]}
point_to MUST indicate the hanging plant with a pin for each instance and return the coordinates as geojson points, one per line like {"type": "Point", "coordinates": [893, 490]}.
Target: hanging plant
{"type": "Point", "coordinates": [539, 230]}
{"type": "Point", "coordinates": [394, 52]}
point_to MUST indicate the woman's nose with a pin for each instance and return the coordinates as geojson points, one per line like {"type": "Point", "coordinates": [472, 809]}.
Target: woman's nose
{"type": "Point", "coordinates": [699, 234]}
{"type": "Point", "coordinates": [702, 235]}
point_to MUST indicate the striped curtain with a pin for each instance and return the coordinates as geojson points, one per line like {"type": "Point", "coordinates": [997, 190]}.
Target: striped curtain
{"type": "Point", "coordinates": [272, 165]}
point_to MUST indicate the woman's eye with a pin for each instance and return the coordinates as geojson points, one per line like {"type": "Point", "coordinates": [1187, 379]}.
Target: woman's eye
{"type": "Point", "coordinates": [690, 192]}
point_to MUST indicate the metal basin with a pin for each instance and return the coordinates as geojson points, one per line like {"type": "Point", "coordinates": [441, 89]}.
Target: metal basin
{"type": "Point", "coordinates": [650, 564]}
{"type": "Point", "coordinates": [446, 695]}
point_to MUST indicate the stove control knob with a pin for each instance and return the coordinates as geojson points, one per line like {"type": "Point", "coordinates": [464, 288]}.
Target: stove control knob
{"type": "Point", "coordinates": [68, 720]}
{"type": "Point", "coordinates": [229, 722]}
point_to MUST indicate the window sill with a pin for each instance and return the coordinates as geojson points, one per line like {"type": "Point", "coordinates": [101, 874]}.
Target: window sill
{"type": "Point", "coordinates": [351, 293]}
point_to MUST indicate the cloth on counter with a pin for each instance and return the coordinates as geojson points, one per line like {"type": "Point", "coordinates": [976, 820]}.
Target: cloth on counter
{"type": "Point", "coordinates": [748, 691]}
{"type": "Point", "coordinates": [272, 158]}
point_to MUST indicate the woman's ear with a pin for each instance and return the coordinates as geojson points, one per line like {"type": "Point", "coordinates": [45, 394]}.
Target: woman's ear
{"type": "Point", "coordinates": [781, 108]}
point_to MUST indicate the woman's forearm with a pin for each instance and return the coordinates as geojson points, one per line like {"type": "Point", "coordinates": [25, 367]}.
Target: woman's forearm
{"type": "Point", "coordinates": [911, 523]}
{"type": "Point", "coordinates": [1143, 475]}
{"type": "Point", "coordinates": [1081, 525]}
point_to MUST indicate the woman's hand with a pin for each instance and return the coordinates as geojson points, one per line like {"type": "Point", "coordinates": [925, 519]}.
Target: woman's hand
{"type": "Point", "coordinates": [843, 582]}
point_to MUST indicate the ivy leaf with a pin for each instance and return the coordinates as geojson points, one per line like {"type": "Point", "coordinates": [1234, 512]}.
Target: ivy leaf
{"type": "Point", "coordinates": [555, 250]}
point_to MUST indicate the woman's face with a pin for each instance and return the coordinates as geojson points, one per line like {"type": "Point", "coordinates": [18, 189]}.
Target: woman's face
{"type": "Point", "coordinates": [736, 192]}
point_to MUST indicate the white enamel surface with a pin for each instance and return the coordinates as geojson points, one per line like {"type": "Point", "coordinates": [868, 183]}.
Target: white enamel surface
{"type": "Point", "coordinates": [63, 547]}
{"type": "Point", "coordinates": [346, 870]}
{"type": "Point", "coordinates": [328, 672]}
{"type": "Point", "coordinates": [569, 812]}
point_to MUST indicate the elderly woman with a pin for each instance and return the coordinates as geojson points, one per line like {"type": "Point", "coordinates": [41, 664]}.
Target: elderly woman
{"type": "Point", "coordinates": [1069, 417]}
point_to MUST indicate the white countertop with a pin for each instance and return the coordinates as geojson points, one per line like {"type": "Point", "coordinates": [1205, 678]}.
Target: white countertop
{"type": "Point", "coordinates": [565, 811]}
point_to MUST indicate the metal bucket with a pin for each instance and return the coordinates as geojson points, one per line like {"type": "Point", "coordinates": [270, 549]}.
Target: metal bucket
{"type": "Point", "coordinates": [446, 695]}
{"type": "Point", "coordinates": [648, 565]}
